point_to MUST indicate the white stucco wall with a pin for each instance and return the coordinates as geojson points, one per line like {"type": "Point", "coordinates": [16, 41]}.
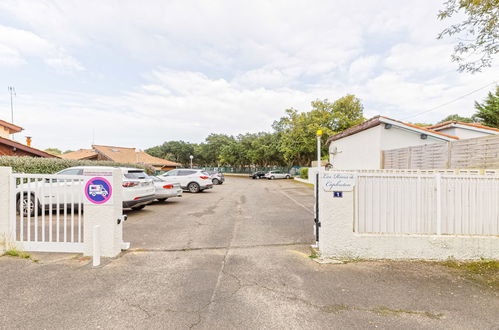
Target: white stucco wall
{"type": "Point", "coordinates": [395, 137]}
{"type": "Point", "coordinates": [462, 133]}
{"type": "Point", "coordinates": [338, 239]}
{"type": "Point", "coordinates": [363, 150]}
{"type": "Point", "coordinates": [357, 151]}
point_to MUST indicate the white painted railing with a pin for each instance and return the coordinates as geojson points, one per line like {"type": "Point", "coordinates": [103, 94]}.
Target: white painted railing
{"type": "Point", "coordinates": [47, 212]}
{"type": "Point", "coordinates": [442, 204]}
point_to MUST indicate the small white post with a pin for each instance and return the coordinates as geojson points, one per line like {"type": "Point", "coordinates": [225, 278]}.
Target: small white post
{"type": "Point", "coordinates": [96, 246]}
{"type": "Point", "coordinates": [438, 184]}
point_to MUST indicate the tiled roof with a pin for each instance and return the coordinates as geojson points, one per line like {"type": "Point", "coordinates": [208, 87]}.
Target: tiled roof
{"type": "Point", "coordinates": [130, 155]}
{"type": "Point", "coordinates": [452, 123]}
{"type": "Point", "coordinates": [25, 148]}
{"type": "Point", "coordinates": [11, 127]}
{"type": "Point", "coordinates": [375, 121]}
{"type": "Point", "coordinates": [80, 154]}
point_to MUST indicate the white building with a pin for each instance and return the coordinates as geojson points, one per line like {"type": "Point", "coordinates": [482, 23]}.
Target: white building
{"type": "Point", "coordinates": [359, 147]}
{"type": "Point", "coordinates": [464, 130]}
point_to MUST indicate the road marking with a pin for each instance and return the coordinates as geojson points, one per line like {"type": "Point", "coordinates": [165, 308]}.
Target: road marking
{"type": "Point", "coordinates": [296, 202]}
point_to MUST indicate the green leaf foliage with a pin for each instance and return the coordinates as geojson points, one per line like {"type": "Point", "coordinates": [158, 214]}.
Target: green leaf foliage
{"type": "Point", "coordinates": [456, 117]}
{"type": "Point", "coordinates": [53, 165]}
{"type": "Point", "coordinates": [293, 141]}
{"type": "Point", "coordinates": [478, 32]}
{"type": "Point", "coordinates": [488, 111]}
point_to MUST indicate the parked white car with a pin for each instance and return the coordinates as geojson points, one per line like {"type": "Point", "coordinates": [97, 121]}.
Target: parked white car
{"type": "Point", "coordinates": [166, 188]}
{"type": "Point", "coordinates": [137, 191]}
{"type": "Point", "coordinates": [192, 180]}
{"type": "Point", "coordinates": [277, 175]}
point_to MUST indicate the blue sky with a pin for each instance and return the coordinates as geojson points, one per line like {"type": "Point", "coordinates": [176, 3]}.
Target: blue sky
{"type": "Point", "coordinates": [136, 74]}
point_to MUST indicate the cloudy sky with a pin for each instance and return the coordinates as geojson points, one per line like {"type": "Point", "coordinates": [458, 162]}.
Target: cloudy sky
{"type": "Point", "coordinates": [137, 73]}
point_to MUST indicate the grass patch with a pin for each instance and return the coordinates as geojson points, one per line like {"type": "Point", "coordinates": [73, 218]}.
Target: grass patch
{"type": "Point", "coordinates": [314, 254]}
{"type": "Point", "coordinates": [485, 271]}
{"type": "Point", "coordinates": [17, 253]}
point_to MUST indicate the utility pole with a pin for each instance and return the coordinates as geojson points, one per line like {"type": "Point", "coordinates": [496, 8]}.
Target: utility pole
{"type": "Point", "coordinates": [12, 91]}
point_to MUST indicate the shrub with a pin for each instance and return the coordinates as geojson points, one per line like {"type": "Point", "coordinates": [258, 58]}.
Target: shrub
{"type": "Point", "coordinates": [53, 165]}
{"type": "Point", "coordinates": [304, 172]}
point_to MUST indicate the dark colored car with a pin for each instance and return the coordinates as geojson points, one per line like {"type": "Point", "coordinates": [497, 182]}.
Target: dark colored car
{"type": "Point", "coordinates": [257, 175]}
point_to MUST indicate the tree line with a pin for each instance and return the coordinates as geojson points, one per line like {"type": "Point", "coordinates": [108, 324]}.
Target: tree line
{"type": "Point", "coordinates": [291, 141]}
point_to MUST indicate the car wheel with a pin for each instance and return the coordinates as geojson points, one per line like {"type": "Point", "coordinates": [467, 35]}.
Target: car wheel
{"type": "Point", "coordinates": [193, 187]}
{"type": "Point", "coordinates": [27, 207]}
{"type": "Point", "coordinates": [162, 199]}
{"type": "Point", "coordinates": [272, 178]}
{"type": "Point", "coordinates": [140, 207]}
{"type": "Point", "coordinates": [215, 181]}
{"type": "Point", "coordinates": [288, 177]}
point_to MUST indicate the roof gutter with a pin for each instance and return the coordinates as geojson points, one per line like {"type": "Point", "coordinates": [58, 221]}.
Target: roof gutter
{"type": "Point", "coordinates": [414, 129]}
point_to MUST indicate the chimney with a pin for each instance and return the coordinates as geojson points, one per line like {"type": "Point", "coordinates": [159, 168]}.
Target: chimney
{"type": "Point", "coordinates": [28, 141]}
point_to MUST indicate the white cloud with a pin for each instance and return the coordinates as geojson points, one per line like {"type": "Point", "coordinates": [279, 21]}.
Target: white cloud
{"type": "Point", "coordinates": [16, 45]}
{"type": "Point", "coordinates": [197, 67]}
{"type": "Point", "coordinates": [10, 57]}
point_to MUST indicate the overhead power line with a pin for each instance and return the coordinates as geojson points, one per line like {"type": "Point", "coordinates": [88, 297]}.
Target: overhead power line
{"type": "Point", "coordinates": [452, 101]}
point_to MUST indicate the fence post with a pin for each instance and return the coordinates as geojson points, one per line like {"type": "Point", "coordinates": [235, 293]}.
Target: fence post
{"type": "Point", "coordinates": [5, 206]}
{"type": "Point", "coordinates": [438, 184]}
{"type": "Point", "coordinates": [108, 216]}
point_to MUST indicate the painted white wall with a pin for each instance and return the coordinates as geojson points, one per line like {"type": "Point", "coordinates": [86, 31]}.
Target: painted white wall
{"type": "Point", "coordinates": [462, 133]}
{"type": "Point", "coordinates": [357, 151]}
{"type": "Point", "coordinates": [363, 150]}
{"type": "Point", "coordinates": [396, 137]}
{"type": "Point", "coordinates": [5, 204]}
{"type": "Point", "coordinates": [338, 239]}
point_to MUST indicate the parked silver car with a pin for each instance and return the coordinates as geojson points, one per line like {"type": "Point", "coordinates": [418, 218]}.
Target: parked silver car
{"type": "Point", "coordinates": [165, 189]}
{"type": "Point", "coordinates": [277, 175]}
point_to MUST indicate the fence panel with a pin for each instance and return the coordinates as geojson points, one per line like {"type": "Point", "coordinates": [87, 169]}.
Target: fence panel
{"type": "Point", "coordinates": [447, 204]}
{"type": "Point", "coordinates": [482, 152]}
{"type": "Point", "coordinates": [49, 212]}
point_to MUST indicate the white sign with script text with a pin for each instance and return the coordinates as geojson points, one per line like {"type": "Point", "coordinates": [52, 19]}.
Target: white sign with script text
{"type": "Point", "coordinates": [338, 181]}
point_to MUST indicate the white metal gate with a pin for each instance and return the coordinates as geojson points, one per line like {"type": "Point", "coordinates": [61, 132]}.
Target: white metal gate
{"type": "Point", "coordinates": [47, 212]}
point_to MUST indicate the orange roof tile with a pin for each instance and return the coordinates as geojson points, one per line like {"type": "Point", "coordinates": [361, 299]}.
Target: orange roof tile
{"type": "Point", "coordinates": [11, 127]}
{"type": "Point", "coordinates": [80, 154]}
{"type": "Point", "coordinates": [377, 120]}
{"type": "Point", "coordinates": [462, 123]}
{"type": "Point", "coordinates": [130, 155]}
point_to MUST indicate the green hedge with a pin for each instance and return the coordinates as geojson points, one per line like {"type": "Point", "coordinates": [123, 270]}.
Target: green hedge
{"type": "Point", "coordinates": [53, 165]}
{"type": "Point", "coordinates": [304, 172]}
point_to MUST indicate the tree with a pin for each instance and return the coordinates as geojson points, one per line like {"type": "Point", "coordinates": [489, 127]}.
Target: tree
{"type": "Point", "coordinates": [212, 148]}
{"type": "Point", "coordinates": [457, 117]}
{"type": "Point", "coordinates": [488, 111]}
{"type": "Point", "coordinates": [480, 31]}
{"type": "Point", "coordinates": [298, 129]}
{"type": "Point", "coordinates": [177, 151]}
{"type": "Point", "coordinates": [53, 151]}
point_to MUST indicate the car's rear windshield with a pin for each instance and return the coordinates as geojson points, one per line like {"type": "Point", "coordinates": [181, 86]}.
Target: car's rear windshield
{"type": "Point", "coordinates": [135, 175]}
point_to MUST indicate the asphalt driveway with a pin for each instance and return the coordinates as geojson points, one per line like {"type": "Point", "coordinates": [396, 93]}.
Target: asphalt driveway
{"type": "Point", "coordinates": [235, 257]}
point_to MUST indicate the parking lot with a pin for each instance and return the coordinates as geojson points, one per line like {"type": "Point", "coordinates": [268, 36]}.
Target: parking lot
{"type": "Point", "coordinates": [236, 256]}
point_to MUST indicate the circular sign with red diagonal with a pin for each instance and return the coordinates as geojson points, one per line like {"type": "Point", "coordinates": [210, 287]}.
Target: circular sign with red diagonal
{"type": "Point", "coordinates": [98, 190]}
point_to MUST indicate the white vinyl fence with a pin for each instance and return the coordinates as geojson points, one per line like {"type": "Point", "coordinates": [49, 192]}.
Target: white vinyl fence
{"type": "Point", "coordinates": [47, 212]}
{"type": "Point", "coordinates": [427, 204]}
{"type": "Point", "coordinates": [409, 214]}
